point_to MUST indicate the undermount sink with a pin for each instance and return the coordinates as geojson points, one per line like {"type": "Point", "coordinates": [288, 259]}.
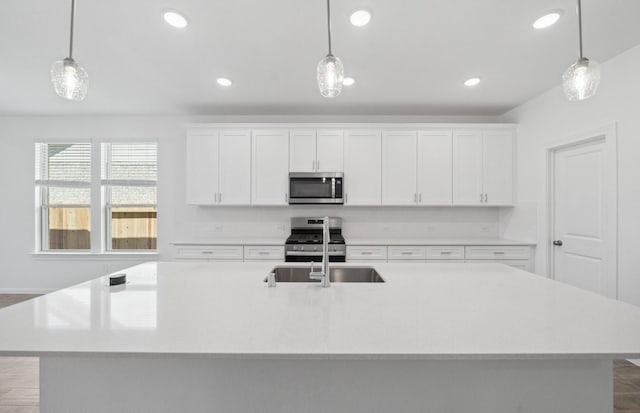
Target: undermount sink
{"type": "Point", "coordinates": [336, 275]}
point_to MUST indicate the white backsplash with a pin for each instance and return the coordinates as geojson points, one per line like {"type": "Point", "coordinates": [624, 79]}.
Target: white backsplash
{"type": "Point", "coordinates": [211, 223]}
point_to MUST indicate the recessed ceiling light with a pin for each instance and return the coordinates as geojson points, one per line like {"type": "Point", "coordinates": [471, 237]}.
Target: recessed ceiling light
{"type": "Point", "coordinates": [223, 81]}
{"type": "Point", "coordinates": [472, 81]}
{"type": "Point", "coordinates": [547, 20]}
{"type": "Point", "coordinates": [175, 19]}
{"type": "Point", "coordinates": [360, 18]}
{"type": "Point", "coordinates": [348, 81]}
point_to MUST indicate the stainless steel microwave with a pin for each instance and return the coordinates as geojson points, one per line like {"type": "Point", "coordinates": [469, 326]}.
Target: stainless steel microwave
{"type": "Point", "coordinates": [316, 188]}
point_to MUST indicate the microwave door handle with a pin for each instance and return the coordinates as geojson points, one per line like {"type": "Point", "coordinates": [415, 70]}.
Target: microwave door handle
{"type": "Point", "coordinates": [333, 188]}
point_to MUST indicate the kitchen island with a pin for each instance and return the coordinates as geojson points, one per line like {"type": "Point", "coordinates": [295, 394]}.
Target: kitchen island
{"type": "Point", "coordinates": [202, 337]}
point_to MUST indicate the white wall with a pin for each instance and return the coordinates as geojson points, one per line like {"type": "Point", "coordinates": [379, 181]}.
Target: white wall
{"type": "Point", "coordinates": [22, 272]}
{"type": "Point", "coordinates": [549, 118]}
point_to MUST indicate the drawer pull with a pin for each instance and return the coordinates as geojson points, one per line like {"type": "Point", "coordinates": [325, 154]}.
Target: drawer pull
{"type": "Point", "coordinates": [263, 252]}
{"type": "Point", "coordinates": [366, 253]}
{"type": "Point", "coordinates": [445, 252]}
{"type": "Point", "coordinates": [207, 252]}
{"type": "Point", "coordinates": [498, 252]}
{"type": "Point", "coordinates": [407, 253]}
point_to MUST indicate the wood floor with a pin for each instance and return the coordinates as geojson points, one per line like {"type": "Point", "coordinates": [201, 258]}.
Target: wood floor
{"type": "Point", "coordinates": [20, 390]}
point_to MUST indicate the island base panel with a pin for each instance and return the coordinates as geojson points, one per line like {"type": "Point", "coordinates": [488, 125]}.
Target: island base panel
{"type": "Point", "coordinates": [109, 383]}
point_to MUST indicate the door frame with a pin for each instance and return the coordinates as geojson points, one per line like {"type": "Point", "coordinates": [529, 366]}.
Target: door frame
{"type": "Point", "coordinates": [608, 135]}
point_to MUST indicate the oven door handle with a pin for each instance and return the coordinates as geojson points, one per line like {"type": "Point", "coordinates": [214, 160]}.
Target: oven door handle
{"type": "Point", "coordinates": [313, 253]}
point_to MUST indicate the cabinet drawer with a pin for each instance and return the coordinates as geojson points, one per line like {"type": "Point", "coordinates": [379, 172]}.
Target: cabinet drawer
{"type": "Point", "coordinates": [497, 252]}
{"type": "Point", "coordinates": [212, 252]}
{"type": "Point", "coordinates": [446, 261]}
{"type": "Point", "coordinates": [445, 253]}
{"type": "Point", "coordinates": [407, 253]}
{"type": "Point", "coordinates": [520, 264]}
{"type": "Point", "coordinates": [267, 253]}
{"type": "Point", "coordinates": [365, 253]}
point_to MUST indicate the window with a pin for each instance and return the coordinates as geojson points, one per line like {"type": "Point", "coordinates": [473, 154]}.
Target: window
{"type": "Point", "coordinates": [63, 182]}
{"type": "Point", "coordinates": [69, 193]}
{"type": "Point", "coordinates": [129, 174]}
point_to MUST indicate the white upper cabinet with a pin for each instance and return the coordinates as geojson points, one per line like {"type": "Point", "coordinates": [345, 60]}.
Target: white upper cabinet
{"type": "Point", "coordinates": [202, 166]}
{"type": "Point", "coordinates": [498, 168]}
{"type": "Point", "coordinates": [435, 168]}
{"type": "Point", "coordinates": [483, 168]}
{"type": "Point", "coordinates": [467, 168]}
{"type": "Point", "coordinates": [302, 151]}
{"type": "Point", "coordinates": [235, 168]}
{"type": "Point", "coordinates": [399, 168]}
{"type": "Point", "coordinates": [316, 151]}
{"type": "Point", "coordinates": [363, 167]}
{"type": "Point", "coordinates": [270, 167]}
{"type": "Point", "coordinates": [329, 151]}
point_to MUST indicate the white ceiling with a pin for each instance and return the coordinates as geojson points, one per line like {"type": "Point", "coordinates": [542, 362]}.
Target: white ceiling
{"type": "Point", "coordinates": [410, 60]}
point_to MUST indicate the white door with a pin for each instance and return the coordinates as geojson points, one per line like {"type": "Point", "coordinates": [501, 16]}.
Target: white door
{"type": "Point", "coordinates": [363, 168]}
{"type": "Point", "coordinates": [302, 151]}
{"type": "Point", "coordinates": [467, 168]}
{"type": "Point", "coordinates": [329, 151]}
{"type": "Point", "coordinates": [270, 167]}
{"type": "Point", "coordinates": [235, 168]}
{"type": "Point", "coordinates": [580, 217]}
{"type": "Point", "coordinates": [202, 167]}
{"type": "Point", "coordinates": [498, 168]}
{"type": "Point", "coordinates": [399, 169]}
{"type": "Point", "coordinates": [435, 168]}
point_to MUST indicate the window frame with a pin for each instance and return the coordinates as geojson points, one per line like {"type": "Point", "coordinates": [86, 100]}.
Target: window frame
{"type": "Point", "coordinates": [107, 184]}
{"type": "Point", "coordinates": [100, 232]}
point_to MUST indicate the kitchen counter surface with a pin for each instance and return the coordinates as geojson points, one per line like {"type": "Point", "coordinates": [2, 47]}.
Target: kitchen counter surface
{"type": "Point", "coordinates": [437, 241]}
{"type": "Point", "coordinates": [423, 311]}
{"type": "Point", "coordinates": [235, 241]}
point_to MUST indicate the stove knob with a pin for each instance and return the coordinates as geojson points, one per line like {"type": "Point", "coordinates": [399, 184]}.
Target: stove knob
{"type": "Point", "coordinates": [295, 248]}
{"type": "Point", "coordinates": [315, 248]}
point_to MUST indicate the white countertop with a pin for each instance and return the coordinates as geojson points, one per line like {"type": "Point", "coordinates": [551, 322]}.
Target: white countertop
{"type": "Point", "coordinates": [364, 241]}
{"type": "Point", "coordinates": [235, 241]}
{"type": "Point", "coordinates": [428, 311]}
{"type": "Point", "coordinates": [436, 241]}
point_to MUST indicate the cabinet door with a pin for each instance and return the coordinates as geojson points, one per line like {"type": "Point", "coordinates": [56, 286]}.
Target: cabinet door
{"type": "Point", "coordinates": [302, 151]}
{"type": "Point", "coordinates": [270, 167]}
{"type": "Point", "coordinates": [399, 169]}
{"type": "Point", "coordinates": [235, 168]}
{"type": "Point", "coordinates": [498, 168]}
{"type": "Point", "coordinates": [467, 168]}
{"type": "Point", "coordinates": [329, 150]}
{"type": "Point", "coordinates": [363, 168]}
{"type": "Point", "coordinates": [202, 166]}
{"type": "Point", "coordinates": [435, 168]}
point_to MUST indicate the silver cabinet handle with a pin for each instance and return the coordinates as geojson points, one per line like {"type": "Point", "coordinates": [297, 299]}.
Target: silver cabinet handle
{"type": "Point", "coordinates": [219, 197]}
{"type": "Point", "coordinates": [286, 197]}
{"type": "Point", "coordinates": [207, 252]}
{"type": "Point", "coordinates": [313, 165]}
{"type": "Point", "coordinates": [498, 252]}
{"type": "Point", "coordinates": [420, 197]}
{"type": "Point", "coordinates": [486, 198]}
{"type": "Point", "coordinates": [263, 252]}
{"type": "Point", "coordinates": [407, 253]}
{"type": "Point", "coordinates": [481, 198]}
{"type": "Point", "coordinates": [415, 198]}
{"type": "Point", "coordinates": [366, 253]}
{"type": "Point", "coordinates": [445, 252]}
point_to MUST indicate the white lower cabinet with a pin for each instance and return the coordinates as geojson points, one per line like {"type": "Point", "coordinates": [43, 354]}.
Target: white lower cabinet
{"type": "Point", "coordinates": [518, 256]}
{"type": "Point", "coordinates": [366, 253]}
{"type": "Point", "coordinates": [263, 253]}
{"type": "Point", "coordinates": [210, 252]}
{"type": "Point", "coordinates": [404, 253]}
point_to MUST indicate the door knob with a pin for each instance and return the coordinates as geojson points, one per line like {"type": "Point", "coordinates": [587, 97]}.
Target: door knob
{"type": "Point", "coordinates": [557, 243]}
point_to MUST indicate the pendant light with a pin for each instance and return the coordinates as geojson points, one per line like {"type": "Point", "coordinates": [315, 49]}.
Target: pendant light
{"type": "Point", "coordinates": [69, 79]}
{"type": "Point", "coordinates": [330, 71]}
{"type": "Point", "coordinates": [580, 81]}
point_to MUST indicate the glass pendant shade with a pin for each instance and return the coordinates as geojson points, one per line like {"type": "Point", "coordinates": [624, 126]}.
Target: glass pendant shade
{"type": "Point", "coordinates": [580, 81]}
{"type": "Point", "coordinates": [330, 76]}
{"type": "Point", "coordinates": [69, 79]}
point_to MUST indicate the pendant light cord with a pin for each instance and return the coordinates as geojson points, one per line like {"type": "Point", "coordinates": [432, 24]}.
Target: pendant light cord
{"type": "Point", "coordinates": [328, 23]}
{"type": "Point", "coordinates": [579, 27]}
{"type": "Point", "coordinates": [73, 15]}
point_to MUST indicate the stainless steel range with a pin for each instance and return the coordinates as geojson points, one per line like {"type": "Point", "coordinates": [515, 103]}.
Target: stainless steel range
{"type": "Point", "coordinates": [305, 242]}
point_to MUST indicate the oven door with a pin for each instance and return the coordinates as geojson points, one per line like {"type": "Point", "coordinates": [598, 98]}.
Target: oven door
{"type": "Point", "coordinates": [315, 188]}
{"type": "Point", "coordinates": [315, 258]}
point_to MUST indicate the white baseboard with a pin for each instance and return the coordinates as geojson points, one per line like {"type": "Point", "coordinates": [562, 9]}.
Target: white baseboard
{"type": "Point", "coordinates": [636, 362]}
{"type": "Point", "coordinates": [27, 290]}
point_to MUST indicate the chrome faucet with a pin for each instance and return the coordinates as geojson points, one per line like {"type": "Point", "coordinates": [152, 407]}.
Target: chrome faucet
{"type": "Point", "coordinates": [323, 275]}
